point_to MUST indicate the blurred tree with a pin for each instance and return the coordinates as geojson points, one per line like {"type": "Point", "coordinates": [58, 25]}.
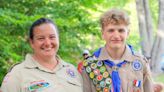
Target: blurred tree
{"type": "Point", "coordinates": [77, 21]}
{"type": "Point", "coordinates": [158, 47]}
{"type": "Point", "coordinates": [151, 48]}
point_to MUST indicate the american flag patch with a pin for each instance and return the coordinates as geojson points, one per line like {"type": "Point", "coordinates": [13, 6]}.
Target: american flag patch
{"type": "Point", "coordinates": [137, 83]}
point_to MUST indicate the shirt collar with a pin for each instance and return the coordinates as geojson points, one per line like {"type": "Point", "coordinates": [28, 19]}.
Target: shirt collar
{"type": "Point", "coordinates": [128, 56]}
{"type": "Point", "coordinates": [30, 62]}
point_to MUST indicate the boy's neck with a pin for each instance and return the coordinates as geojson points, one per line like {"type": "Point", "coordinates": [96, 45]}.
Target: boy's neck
{"type": "Point", "coordinates": [116, 54]}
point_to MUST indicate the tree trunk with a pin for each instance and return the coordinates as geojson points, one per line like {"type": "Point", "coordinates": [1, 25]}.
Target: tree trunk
{"type": "Point", "coordinates": [145, 27]}
{"type": "Point", "coordinates": [158, 48]}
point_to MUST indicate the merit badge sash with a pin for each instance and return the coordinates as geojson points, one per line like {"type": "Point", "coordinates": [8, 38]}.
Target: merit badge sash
{"type": "Point", "coordinates": [98, 73]}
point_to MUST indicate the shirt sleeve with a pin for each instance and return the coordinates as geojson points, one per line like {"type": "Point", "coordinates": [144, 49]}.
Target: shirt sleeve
{"type": "Point", "coordinates": [11, 83]}
{"type": "Point", "coordinates": [148, 83]}
{"type": "Point", "coordinates": [88, 85]}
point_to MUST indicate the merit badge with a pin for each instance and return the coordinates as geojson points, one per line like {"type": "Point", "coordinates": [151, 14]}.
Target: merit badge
{"type": "Point", "coordinates": [96, 71]}
{"type": "Point", "coordinates": [94, 81]}
{"type": "Point", "coordinates": [99, 77]}
{"type": "Point", "coordinates": [98, 87]}
{"type": "Point", "coordinates": [85, 63]}
{"type": "Point", "coordinates": [136, 65]}
{"type": "Point", "coordinates": [90, 59]}
{"type": "Point", "coordinates": [106, 89]}
{"type": "Point", "coordinates": [137, 83]}
{"type": "Point", "coordinates": [38, 86]}
{"type": "Point", "coordinates": [99, 63]}
{"type": "Point", "coordinates": [108, 81]}
{"type": "Point", "coordinates": [88, 69]}
{"type": "Point", "coordinates": [91, 75]}
{"type": "Point", "coordinates": [102, 84]}
{"type": "Point", "coordinates": [93, 66]}
{"type": "Point", "coordinates": [105, 74]}
{"type": "Point", "coordinates": [70, 72]}
{"type": "Point", "coordinates": [102, 69]}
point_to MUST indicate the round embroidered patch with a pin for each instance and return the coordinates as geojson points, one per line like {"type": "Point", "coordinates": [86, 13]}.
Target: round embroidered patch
{"type": "Point", "coordinates": [85, 63]}
{"type": "Point", "coordinates": [98, 87]}
{"type": "Point", "coordinates": [105, 74]}
{"type": "Point", "coordinates": [93, 66]}
{"type": "Point", "coordinates": [91, 75]}
{"type": "Point", "coordinates": [106, 89]}
{"type": "Point", "coordinates": [96, 71]}
{"type": "Point", "coordinates": [99, 77]}
{"type": "Point", "coordinates": [90, 60]}
{"type": "Point", "coordinates": [88, 69]}
{"type": "Point", "coordinates": [108, 81]}
{"type": "Point", "coordinates": [137, 65]}
{"type": "Point", "coordinates": [102, 69]}
{"type": "Point", "coordinates": [99, 63]}
{"type": "Point", "coordinates": [102, 84]}
{"type": "Point", "coordinates": [94, 81]}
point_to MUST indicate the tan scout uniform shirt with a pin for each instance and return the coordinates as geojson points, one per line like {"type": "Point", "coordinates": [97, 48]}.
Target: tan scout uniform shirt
{"type": "Point", "coordinates": [30, 76]}
{"type": "Point", "coordinates": [126, 73]}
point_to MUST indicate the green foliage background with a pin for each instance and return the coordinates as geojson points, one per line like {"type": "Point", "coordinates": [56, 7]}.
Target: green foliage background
{"type": "Point", "coordinates": [77, 21]}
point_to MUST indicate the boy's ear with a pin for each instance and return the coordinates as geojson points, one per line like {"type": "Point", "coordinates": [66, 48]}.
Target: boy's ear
{"type": "Point", "coordinates": [102, 34]}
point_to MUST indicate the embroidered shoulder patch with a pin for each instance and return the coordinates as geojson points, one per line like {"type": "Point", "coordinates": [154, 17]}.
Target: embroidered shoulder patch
{"type": "Point", "coordinates": [71, 73]}
{"type": "Point", "coordinates": [136, 65]}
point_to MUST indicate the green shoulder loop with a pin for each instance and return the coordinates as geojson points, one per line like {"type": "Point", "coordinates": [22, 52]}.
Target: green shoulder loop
{"type": "Point", "coordinates": [12, 66]}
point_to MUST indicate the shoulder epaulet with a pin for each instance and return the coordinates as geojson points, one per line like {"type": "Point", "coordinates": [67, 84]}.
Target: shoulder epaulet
{"type": "Point", "coordinates": [12, 66]}
{"type": "Point", "coordinates": [146, 59]}
{"type": "Point", "coordinates": [142, 57]}
{"type": "Point", "coordinates": [138, 55]}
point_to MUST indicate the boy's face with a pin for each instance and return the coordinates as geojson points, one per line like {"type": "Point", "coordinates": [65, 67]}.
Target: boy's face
{"type": "Point", "coordinates": [115, 36]}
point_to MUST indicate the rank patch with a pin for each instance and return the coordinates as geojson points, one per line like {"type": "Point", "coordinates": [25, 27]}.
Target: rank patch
{"type": "Point", "coordinates": [137, 65]}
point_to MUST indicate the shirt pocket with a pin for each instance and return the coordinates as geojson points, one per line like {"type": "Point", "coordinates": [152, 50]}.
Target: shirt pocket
{"type": "Point", "coordinates": [135, 83]}
{"type": "Point", "coordinates": [37, 86]}
{"type": "Point", "coordinates": [74, 82]}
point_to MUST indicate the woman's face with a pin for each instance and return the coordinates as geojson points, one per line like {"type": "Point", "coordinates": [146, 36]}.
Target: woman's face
{"type": "Point", "coordinates": [45, 42]}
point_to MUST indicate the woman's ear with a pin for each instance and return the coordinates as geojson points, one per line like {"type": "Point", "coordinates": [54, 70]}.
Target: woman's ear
{"type": "Point", "coordinates": [31, 42]}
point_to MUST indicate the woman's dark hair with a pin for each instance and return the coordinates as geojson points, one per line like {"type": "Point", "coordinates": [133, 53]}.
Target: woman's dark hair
{"type": "Point", "coordinates": [37, 23]}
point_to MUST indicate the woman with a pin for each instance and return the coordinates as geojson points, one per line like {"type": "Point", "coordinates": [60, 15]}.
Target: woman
{"type": "Point", "coordinates": [44, 70]}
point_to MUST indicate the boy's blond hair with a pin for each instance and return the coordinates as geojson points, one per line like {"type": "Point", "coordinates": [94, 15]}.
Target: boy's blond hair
{"type": "Point", "coordinates": [115, 17]}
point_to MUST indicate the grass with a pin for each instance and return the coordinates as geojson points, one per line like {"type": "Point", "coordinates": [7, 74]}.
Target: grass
{"type": "Point", "coordinates": [159, 78]}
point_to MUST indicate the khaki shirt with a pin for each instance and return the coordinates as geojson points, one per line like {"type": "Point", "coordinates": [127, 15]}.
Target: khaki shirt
{"type": "Point", "coordinates": [127, 73]}
{"type": "Point", "coordinates": [30, 76]}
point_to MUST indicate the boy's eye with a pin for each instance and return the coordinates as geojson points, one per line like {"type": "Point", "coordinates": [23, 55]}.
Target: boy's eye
{"type": "Point", "coordinates": [111, 30]}
{"type": "Point", "coordinates": [121, 30]}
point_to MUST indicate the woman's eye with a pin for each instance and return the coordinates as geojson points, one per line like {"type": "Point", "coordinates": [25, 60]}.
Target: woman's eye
{"type": "Point", "coordinates": [52, 37]}
{"type": "Point", "coordinates": [40, 38]}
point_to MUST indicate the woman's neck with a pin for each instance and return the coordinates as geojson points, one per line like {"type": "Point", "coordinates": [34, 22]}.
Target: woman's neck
{"type": "Point", "coordinates": [49, 63]}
